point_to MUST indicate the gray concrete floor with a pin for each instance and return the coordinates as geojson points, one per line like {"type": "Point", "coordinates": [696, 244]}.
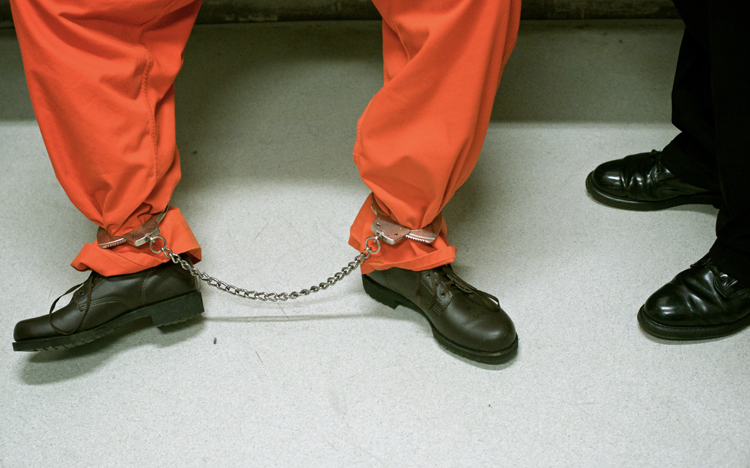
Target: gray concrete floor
{"type": "Point", "coordinates": [266, 117]}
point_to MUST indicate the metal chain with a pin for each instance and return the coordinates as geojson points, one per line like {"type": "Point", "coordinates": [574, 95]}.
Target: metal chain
{"type": "Point", "coordinates": [260, 295]}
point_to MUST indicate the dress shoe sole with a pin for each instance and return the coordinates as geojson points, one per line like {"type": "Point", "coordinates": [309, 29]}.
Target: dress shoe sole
{"type": "Point", "coordinates": [689, 333]}
{"type": "Point", "coordinates": [175, 310]}
{"type": "Point", "coordinates": [393, 299]}
{"type": "Point", "coordinates": [639, 205]}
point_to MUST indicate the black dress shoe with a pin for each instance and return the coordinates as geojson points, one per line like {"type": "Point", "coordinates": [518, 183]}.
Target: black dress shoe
{"type": "Point", "coordinates": [699, 303]}
{"type": "Point", "coordinates": [464, 320]}
{"type": "Point", "coordinates": [640, 182]}
{"type": "Point", "coordinates": [166, 293]}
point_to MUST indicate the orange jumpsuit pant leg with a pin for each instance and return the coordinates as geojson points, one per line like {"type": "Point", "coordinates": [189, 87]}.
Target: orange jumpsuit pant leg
{"type": "Point", "coordinates": [101, 78]}
{"type": "Point", "coordinates": [421, 134]}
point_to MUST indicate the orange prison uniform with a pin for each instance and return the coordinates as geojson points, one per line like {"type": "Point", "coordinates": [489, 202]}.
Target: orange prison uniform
{"type": "Point", "coordinates": [101, 77]}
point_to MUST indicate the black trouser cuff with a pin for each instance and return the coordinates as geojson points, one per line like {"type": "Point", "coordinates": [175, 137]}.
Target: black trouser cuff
{"type": "Point", "coordinates": [690, 163]}
{"type": "Point", "coordinates": [733, 262]}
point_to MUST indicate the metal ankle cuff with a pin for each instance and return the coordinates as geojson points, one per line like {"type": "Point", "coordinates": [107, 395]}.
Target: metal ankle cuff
{"type": "Point", "coordinates": [391, 232]}
{"type": "Point", "coordinates": [137, 237]}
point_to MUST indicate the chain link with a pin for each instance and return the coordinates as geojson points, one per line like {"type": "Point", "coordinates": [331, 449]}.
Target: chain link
{"type": "Point", "coordinates": [260, 295]}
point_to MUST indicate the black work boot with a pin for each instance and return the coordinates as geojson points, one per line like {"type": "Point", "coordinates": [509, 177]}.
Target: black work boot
{"type": "Point", "coordinates": [166, 293]}
{"type": "Point", "coordinates": [464, 320]}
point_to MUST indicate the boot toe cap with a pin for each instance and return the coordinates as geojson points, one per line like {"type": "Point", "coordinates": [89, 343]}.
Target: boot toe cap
{"type": "Point", "coordinates": [34, 328]}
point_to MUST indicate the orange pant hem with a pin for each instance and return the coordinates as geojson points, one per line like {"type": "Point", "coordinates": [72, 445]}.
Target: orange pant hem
{"type": "Point", "coordinates": [409, 255]}
{"type": "Point", "coordinates": [126, 259]}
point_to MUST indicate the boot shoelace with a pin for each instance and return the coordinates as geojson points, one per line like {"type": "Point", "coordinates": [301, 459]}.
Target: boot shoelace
{"type": "Point", "coordinates": [88, 287]}
{"type": "Point", "coordinates": [448, 277]}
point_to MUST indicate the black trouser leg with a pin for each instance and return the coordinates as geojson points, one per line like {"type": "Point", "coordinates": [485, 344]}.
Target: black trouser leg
{"type": "Point", "coordinates": [711, 105]}
{"type": "Point", "coordinates": [691, 155]}
{"type": "Point", "coordinates": [730, 78]}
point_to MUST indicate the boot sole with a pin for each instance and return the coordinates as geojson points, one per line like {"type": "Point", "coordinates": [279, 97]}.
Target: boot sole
{"type": "Point", "coordinates": [393, 299]}
{"type": "Point", "coordinates": [689, 333]}
{"type": "Point", "coordinates": [175, 310]}
{"type": "Point", "coordinates": [638, 205]}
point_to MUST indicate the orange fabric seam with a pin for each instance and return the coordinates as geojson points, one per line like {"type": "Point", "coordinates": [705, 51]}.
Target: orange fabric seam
{"type": "Point", "coordinates": [398, 32]}
{"type": "Point", "coordinates": [144, 88]}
